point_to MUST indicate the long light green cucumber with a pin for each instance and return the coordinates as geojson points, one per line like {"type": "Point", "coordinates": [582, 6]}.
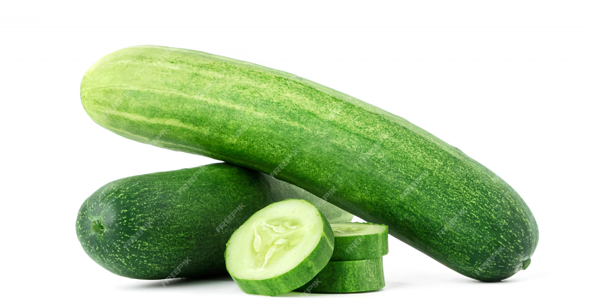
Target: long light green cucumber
{"type": "Point", "coordinates": [365, 160]}
{"type": "Point", "coordinates": [347, 277]}
{"type": "Point", "coordinates": [176, 223]}
{"type": "Point", "coordinates": [279, 248]}
{"type": "Point", "coordinates": [358, 241]}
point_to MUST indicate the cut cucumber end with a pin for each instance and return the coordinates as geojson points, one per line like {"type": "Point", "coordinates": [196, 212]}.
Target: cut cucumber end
{"type": "Point", "coordinates": [280, 248]}
{"type": "Point", "coordinates": [354, 229]}
{"type": "Point", "coordinates": [347, 277]}
{"type": "Point", "coordinates": [359, 241]}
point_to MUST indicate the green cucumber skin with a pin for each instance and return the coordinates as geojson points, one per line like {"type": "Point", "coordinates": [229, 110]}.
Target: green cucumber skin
{"type": "Point", "coordinates": [302, 273]}
{"type": "Point", "coordinates": [347, 277]}
{"type": "Point", "coordinates": [151, 227]}
{"type": "Point", "coordinates": [371, 163]}
{"type": "Point", "coordinates": [360, 247]}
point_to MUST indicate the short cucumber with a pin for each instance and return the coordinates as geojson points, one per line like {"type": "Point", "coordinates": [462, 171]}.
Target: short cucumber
{"type": "Point", "coordinates": [279, 248]}
{"type": "Point", "coordinates": [176, 224]}
{"type": "Point", "coordinates": [347, 277]}
{"type": "Point", "coordinates": [357, 241]}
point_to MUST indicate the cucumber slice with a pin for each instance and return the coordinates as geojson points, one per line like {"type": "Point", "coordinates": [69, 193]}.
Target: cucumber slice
{"type": "Point", "coordinates": [279, 248]}
{"type": "Point", "coordinates": [347, 277]}
{"type": "Point", "coordinates": [356, 241]}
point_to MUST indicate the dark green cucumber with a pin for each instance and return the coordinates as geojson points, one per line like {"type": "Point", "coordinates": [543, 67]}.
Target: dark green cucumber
{"type": "Point", "coordinates": [367, 161]}
{"type": "Point", "coordinates": [176, 224]}
{"type": "Point", "coordinates": [358, 241]}
{"type": "Point", "coordinates": [279, 248]}
{"type": "Point", "coordinates": [347, 277]}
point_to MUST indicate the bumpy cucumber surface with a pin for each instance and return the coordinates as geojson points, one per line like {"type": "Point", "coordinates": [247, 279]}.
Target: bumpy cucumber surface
{"type": "Point", "coordinates": [347, 277]}
{"type": "Point", "coordinates": [279, 248]}
{"type": "Point", "coordinates": [365, 160]}
{"type": "Point", "coordinates": [357, 241]}
{"type": "Point", "coordinates": [176, 224]}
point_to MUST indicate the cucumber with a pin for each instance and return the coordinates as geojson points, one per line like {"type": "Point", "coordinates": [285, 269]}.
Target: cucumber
{"type": "Point", "coordinates": [347, 277]}
{"type": "Point", "coordinates": [176, 224]}
{"type": "Point", "coordinates": [357, 241]}
{"type": "Point", "coordinates": [366, 161]}
{"type": "Point", "coordinates": [280, 248]}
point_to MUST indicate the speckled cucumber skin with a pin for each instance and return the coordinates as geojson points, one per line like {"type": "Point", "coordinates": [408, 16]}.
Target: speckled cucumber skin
{"type": "Point", "coordinates": [347, 277]}
{"type": "Point", "coordinates": [148, 226]}
{"type": "Point", "coordinates": [315, 262]}
{"type": "Point", "coordinates": [369, 162]}
{"type": "Point", "coordinates": [359, 247]}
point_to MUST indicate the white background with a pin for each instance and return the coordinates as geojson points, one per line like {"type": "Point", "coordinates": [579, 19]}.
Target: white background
{"type": "Point", "coordinates": [507, 82]}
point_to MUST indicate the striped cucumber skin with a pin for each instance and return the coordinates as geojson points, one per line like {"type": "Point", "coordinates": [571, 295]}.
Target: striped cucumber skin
{"type": "Point", "coordinates": [359, 247]}
{"type": "Point", "coordinates": [347, 277]}
{"type": "Point", "coordinates": [367, 161]}
{"type": "Point", "coordinates": [174, 224]}
{"type": "Point", "coordinates": [315, 262]}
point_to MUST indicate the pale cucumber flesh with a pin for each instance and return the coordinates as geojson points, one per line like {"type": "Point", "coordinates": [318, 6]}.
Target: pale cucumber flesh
{"type": "Point", "coordinates": [279, 248]}
{"type": "Point", "coordinates": [354, 229]}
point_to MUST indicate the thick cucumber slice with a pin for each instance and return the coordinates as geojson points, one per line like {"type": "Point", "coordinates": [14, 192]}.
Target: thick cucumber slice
{"type": "Point", "coordinates": [356, 241]}
{"type": "Point", "coordinates": [279, 248]}
{"type": "Point", "coordinates": [347, 277]}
